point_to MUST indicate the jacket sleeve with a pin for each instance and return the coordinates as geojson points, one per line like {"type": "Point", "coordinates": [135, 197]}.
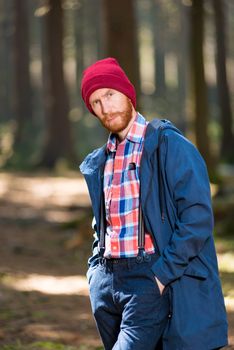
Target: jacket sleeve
{"type": "Point", "coordinates": [188, 185]}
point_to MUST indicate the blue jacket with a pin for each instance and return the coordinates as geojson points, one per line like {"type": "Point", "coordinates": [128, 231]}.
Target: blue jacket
{"type": "Point", "coordinates": [177, 211]}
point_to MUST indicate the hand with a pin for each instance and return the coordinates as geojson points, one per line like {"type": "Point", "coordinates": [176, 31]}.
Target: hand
{"type": "Point", "coordinates": [160, 285]}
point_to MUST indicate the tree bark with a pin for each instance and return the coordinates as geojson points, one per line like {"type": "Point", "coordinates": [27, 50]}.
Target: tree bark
{"type": "Point", "coordinates": [227, 140]}
{"type": "Point", "coordinates": [79, 47]}
{"type": "Point", "coordinates": [22, 91]}
{"type": "Point", "coordinates": [198, 81]}
{"type": "Point", "coordinates": [121, 37]}
{"type": "Point", "coordinates": [159, 49]}
{"type": "Point", "coordinates": [182, 54]}
{"type": "Point", "coordinates": [58, 143]}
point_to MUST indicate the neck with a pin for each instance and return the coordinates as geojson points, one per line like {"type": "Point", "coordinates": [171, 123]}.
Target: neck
{"type": "Point", "coordinates": [122, 134]}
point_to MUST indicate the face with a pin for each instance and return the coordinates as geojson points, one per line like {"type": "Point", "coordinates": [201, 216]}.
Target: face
{"type": "Point", "coordinates": [113, 109]}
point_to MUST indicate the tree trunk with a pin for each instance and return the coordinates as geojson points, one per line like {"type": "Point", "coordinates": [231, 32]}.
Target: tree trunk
{"type": "Point", "coordinates": [182, 54]}
{"type": "Point", "coordinates": [22, 91]}
{"type": "Point", "coordinates": [5, 112]}
{"type": "Point", "coordinates": [227, 141]}
{"type": "Point", "coordinates": [121, 37]}
{"type": "Point", "coordinates": [198, 81]}
{"type": "Point", "coordinates": [79, 47]}
{"type": "Point", "coordinates": [58, 143]}
{"type": "Point", "coordinates": [159, 48]}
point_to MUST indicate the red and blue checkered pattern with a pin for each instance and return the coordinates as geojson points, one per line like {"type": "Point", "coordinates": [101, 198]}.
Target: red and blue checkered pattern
{"type": "Point", "coordinates": [121, 189]}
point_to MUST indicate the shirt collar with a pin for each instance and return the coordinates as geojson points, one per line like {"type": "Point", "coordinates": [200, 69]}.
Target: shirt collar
{"type": "Point", "coordinates": [135, 134]}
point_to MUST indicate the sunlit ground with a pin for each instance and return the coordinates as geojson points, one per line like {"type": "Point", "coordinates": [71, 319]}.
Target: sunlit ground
{"type": "Point", "coordinates": [52, 195]}
{"type": "Point", "coordinates": [226, 266]}
{"type": "Point", "coordinates": [25, 203]}
{"type": "Point", "coordinates": [69, 285]}
{"type": "Point", "coordinates": [77, 285]}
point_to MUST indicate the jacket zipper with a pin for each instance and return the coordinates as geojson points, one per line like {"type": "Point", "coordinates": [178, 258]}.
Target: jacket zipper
{"type": "Point", "coordinates": [161, 194]}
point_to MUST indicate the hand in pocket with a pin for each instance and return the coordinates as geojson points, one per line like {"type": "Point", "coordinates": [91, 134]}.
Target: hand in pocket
{"type": "Point", "coordinates": [160, 285]}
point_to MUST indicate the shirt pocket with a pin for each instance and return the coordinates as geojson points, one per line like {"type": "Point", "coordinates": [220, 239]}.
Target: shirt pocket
{"type": "Point", "coordinates": [130, 189]}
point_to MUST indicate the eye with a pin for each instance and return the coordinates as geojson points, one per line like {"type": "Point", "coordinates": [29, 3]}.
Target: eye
{"type": "Point", "coordinates": [110, 93]}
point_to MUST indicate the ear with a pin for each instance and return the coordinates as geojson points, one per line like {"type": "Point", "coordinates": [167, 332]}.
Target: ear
{"type": "Point", "coordinates": [133, 109]}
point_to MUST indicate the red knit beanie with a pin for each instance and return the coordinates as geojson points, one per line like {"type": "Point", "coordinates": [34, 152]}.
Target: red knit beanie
{"type": "Point", "coordinates": [106, 73]}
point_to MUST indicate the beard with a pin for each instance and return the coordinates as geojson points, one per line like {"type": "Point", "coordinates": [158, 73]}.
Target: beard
{"type": "Point", "coordinates": [118, 121]}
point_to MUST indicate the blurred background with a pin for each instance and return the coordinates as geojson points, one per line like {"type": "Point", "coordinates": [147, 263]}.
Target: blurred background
{"type": "Point", "coordinates": [180, 56]}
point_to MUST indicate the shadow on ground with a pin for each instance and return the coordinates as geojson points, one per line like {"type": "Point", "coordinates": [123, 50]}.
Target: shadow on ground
{"type": "Point", "coordinates": [45, 240]}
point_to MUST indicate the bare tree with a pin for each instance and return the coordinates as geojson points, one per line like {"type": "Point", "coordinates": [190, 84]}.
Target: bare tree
{"type": "Point", "coordinates": [79, 47]}
{"type": "Point", "coordinates": [227, 141]}
{"type": "Point", "coordinates": [121, 37]}
{"type": "Point", "coordinates": [22, 91]}
{"type": "Point", "coordinates": [159, 47]}
{"type": "Point", "coordinates": [58, 143]}
{"type": "Point", "coordinates": [182, 64]}
{"type": "Point", "coordinates": [198, 81]}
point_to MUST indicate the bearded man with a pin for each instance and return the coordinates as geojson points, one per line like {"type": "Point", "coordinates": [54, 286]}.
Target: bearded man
{"type": "Point", "coordinates": [153, 275]}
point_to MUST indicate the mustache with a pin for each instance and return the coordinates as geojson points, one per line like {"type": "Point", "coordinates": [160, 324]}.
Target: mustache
{"type": "Point", "coordinates": [112, 115]}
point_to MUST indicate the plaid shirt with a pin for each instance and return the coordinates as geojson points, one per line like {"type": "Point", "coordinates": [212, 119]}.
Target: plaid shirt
{"type": "Point", "coordinates": [121, 190]}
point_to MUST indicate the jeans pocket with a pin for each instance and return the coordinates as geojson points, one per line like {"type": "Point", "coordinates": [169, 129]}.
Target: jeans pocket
{"type": "Point", "coordinates": [90, 272]}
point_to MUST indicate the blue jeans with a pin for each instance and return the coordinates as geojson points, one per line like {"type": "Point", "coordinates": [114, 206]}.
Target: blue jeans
{"type": "Point", "coordinates": [128, 308]}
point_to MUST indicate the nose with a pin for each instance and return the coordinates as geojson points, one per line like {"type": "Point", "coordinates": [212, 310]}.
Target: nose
{"type": "Point", "coordinates": [106, 107]}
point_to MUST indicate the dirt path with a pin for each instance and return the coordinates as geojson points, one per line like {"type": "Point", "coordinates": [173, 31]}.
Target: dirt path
{"type": "Point", "coordinates": [44, 295]}
{"type": "Point", "coordinates": [45, 241]}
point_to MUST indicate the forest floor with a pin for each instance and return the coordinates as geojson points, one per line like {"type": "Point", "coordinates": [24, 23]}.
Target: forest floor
{"type": "Point", "coordinates": [45, 240]}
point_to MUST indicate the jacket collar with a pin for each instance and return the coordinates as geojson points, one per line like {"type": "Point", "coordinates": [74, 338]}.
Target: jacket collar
{"type": "Point", "coordinates": [97, 158]}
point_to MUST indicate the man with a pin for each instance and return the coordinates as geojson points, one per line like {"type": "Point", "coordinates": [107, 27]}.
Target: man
{"type": "Point", "coordinates": [153, 275]}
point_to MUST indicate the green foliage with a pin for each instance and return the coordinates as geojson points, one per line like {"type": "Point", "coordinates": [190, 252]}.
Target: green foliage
{"type": "Point", "coordinates": [7, 315]}
{"type": "Point", "coordinates": [24, 155]}
{"type": "Point", "coordinates": [225, 249]}
{"type": "Point", "coordinates": [45, 345]}
{"type": "Point", "coordinates": [224, 244]}
{"type": "Point", "coordinates": [6, 142]}
{"type": "Point", "coordinates": [39, 315]}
